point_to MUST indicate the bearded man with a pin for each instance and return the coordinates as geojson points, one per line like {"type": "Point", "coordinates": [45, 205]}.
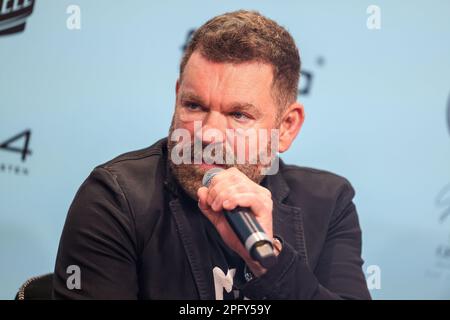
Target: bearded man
{"type": "Point", "coordinates": [143, 226]}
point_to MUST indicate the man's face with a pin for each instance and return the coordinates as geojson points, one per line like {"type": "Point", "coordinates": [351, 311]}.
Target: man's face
{"type": "Point", "coordinates": [215, 100]}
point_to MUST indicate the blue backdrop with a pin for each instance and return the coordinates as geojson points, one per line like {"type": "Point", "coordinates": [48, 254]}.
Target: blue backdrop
{"type": "Point", "coordinates": [377, 112]}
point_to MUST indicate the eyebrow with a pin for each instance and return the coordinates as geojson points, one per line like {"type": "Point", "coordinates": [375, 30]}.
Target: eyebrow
{"type": "Point", "coordinates": [191, 96]}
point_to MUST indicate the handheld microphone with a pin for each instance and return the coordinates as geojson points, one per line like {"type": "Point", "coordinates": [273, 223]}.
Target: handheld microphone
{"type": "Point", "coordinates": [248, 230]}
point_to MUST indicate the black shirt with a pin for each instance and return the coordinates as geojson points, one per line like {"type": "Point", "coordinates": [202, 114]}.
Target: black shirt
{"type": "Point", "coordinates": [226, 266]}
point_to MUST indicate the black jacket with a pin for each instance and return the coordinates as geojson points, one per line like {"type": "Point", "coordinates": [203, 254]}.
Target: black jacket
{"type": "Point", "coordinates": [129, 233]}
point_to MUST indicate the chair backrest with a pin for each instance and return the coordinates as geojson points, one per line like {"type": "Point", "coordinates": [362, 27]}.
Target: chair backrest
{"type": "Point", "coordinates": [36, 288]}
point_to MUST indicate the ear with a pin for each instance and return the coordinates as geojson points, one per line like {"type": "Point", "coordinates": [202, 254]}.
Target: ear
{"type": "Point", "coordinates": [290, 125]}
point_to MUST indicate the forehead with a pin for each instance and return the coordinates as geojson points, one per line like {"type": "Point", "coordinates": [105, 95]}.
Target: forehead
{"type": "Point", "coordinates": [249, 80]}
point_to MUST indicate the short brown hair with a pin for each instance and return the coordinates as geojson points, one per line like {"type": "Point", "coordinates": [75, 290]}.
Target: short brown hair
{"type": "Point", "coordinates": [243, 36]}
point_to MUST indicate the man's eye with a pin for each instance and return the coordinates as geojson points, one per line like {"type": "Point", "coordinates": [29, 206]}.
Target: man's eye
{"type": "Point", "coordinates": [192, 106]}
{"type": "Point", "coordinates": [240, 116]}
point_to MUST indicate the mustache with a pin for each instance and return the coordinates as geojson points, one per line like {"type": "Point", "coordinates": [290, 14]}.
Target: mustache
{"type": "Point", "coordinates": [219, 153]}
{"type": "Point", "coordinates": [210, 153]}
{"type": "Point", "coordinates": [197, 152]}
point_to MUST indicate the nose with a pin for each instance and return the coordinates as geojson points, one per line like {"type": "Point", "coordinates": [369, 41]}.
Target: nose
{"type": "Point", "coordinates": [213, 128]}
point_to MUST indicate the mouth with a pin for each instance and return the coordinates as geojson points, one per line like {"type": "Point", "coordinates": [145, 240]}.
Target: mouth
{"type": "Point", "coordinates": [206, 166]}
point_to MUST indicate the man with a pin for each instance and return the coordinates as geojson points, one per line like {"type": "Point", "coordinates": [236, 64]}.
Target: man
{"type": "Point", "coordinates": [143, 226]}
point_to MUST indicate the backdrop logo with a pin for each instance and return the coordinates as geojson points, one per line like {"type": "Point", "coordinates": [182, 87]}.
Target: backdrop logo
{"type": "Point", "coordinates": [13, 15]}
{"type": "Point", "coordinates": [18, 144]}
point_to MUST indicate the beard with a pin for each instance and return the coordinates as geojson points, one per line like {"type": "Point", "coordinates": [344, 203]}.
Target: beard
{"type": "Point", "coordinates": [189, 176]}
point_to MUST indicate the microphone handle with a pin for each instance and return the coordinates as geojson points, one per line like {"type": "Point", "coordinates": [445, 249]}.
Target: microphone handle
{"type": "Point", "coordinates": [251, 234]}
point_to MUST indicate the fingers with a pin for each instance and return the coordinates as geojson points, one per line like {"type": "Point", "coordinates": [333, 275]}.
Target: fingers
{"type": "Point", "coordinates": [253, 201]}
{"type": "Point", "coordinates": [202, 194]}
{"type": "Point", "coordinates": [231, 188]}
{"type": "Point", "coordinates": [212, 216]}
{"type": "Point", "coordinates": [220, 192]}
{"type": "Point", "coordinates": [234, 178]}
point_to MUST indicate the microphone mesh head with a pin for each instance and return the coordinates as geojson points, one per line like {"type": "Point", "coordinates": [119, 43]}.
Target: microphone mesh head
{"type": "Point", "coordinates": [207, 177]}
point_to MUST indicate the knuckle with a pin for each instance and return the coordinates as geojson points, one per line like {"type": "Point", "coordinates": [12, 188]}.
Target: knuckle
{"type": "Point", "coordinates": [234, 179]}
{"type": "Point", "coordinates": [240, 187]}
{"type": "Point", "coordinates": [234, 169]}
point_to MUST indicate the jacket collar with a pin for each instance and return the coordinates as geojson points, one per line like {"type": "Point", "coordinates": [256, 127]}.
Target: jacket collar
{"type": "Point", "coordinates": [287, 218]}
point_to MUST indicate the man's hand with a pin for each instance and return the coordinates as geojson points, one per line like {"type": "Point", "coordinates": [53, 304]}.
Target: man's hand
{"type": "Point", "coordinates": [229, 189]}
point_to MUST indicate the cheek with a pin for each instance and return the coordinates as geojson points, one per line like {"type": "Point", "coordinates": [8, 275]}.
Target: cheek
{"type": "Point", "coordinates": [250, 144]}
{"type": "Point", "coordinates": [184, 121]}
{"type": "Point", "coordinates": [187, 125]}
